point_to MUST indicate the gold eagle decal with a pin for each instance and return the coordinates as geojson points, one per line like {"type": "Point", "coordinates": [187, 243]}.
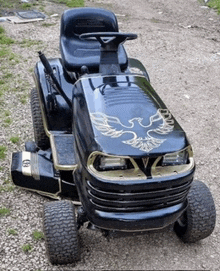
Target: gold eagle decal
{"type": "Point", "coordinates": [111, 126]}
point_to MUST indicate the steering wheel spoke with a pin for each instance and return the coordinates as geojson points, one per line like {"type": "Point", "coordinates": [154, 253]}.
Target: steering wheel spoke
{"type": "Point", "coordinates": [109, 42]}
{"type": "Point", "coordinates": [113, 41]}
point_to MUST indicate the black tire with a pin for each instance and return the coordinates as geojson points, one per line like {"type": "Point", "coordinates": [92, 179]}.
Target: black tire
{"type": "Point", "coordinates": [198, 221]}
{"type": "Point", "coordinates": [60, 229]}
{"type": "Point", "coordinates": [40, 136]}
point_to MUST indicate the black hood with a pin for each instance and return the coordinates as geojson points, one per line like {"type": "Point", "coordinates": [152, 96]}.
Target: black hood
{"type": "Point", "coordinates": [128, 117]}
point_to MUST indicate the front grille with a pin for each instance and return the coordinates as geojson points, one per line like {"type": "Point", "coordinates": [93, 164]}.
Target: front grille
{"type": "Point", "coordinates": [153, 196]}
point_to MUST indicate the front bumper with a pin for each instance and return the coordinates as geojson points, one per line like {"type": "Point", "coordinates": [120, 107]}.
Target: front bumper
{"type": "Point", "coordinates": [139, 221]}
{"type": "Point", "coordinates": [133, 205]}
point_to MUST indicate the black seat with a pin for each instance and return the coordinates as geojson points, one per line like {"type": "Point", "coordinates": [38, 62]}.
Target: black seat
{"type": "Point", "coordinates": [76, 52]}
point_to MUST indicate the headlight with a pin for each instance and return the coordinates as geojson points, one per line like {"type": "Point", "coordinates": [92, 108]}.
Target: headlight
{"type": "Point", "coordinates": [109, 163]}
{"type": "Point", "coordinates": [177, 158]}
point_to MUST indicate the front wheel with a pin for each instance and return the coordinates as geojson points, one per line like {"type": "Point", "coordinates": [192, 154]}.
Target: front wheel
{"type": "Point", "coordinates": [198, 221]}
{"type": "Point", "coordinates": [61, 234]}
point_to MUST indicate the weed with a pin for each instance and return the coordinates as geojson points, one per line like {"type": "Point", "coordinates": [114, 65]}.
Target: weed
{"type": "Point", "coordinates": [2, 152]}
{"type": "Point", "coordinates": [1, 168]}
{"type": "Point", "coordinates": [4, 211]}
{"type": "Point", "coordinates": [26, 247]}
{"type": "Point", "coordinates": [12, 232]}
{"type": "Point", "coordinates": [14, 139]}
{"type": "Point", "coordinates": [214, 4]}
{"type": "Point", "coordinates": [38, 235]}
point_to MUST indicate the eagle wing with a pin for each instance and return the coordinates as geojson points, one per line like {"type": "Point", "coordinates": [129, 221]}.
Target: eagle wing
{"type": "Point", "coordinates": [102, 123]}
{"type": "Point", "coordinates": [105, 124]}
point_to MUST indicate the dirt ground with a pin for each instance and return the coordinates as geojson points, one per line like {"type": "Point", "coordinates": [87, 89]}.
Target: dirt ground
{"type": "Point", "coordinates": [179, 44]}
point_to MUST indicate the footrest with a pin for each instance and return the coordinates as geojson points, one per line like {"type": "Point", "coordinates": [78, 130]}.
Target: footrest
{"type": "Point", "coordinates": [63, 151]}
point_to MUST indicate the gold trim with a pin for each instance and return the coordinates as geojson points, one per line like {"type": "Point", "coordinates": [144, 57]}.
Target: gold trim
{"type": "Point", "coordinates": [55, 157]}
{"type": "Point", "coordinates": [115, 175]}
{"type": "Point", "coordinates": [51, 135]}
{"type": "Point", "coordinates": [159, 171]}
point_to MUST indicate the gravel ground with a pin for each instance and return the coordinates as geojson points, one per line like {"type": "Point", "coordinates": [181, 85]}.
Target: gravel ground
{"type": "Point", "coordinates": [179, 44]}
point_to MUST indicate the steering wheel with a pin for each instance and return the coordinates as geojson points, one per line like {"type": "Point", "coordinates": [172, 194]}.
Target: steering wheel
{"type": "Point", "coordinates": [109, 40]}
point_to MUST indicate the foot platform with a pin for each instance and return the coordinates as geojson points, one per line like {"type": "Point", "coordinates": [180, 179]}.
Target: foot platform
{"type": "Point", "coordinates": [63, 151]}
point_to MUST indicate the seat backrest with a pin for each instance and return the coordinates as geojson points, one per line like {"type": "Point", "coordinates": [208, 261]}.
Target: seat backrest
{"type": "Point", "coordinates": [75, 52]}
{"type": "Point", "coordinates": [87, 20]}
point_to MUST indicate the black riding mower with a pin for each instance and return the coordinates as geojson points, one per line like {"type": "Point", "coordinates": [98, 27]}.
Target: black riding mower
{"type": "Point", "coordinates": [106, 141]}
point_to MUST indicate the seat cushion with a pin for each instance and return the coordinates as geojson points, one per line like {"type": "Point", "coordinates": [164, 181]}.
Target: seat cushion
{"type": "Point", "coordinates": [76, 52]}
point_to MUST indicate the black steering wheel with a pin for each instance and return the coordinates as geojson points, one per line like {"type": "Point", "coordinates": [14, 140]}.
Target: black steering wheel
{"type": "Point", "coordinates": [109, 40]}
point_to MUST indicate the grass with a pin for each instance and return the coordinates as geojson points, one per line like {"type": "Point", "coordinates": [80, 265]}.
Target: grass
{"type": "Point", "coordinates": [71, 3]}
{"type": "Point", "coordinates": [8, 122]}
{"type": "Point", "coordinates": [38, 235]}
{"type": "Point", "coordinates": [7, 55]}
{"type": "Point", "coordinates": [10, 4]}
{"type": "Point", "coordinates": [7, 75]}
{"type": "Point", "coordinates": [4, 51]}
{"type": "Point", "coordinates": [26, 6]}
{"type": "Point", "coordinates": [28, 43]}
{"type": "Point", "coordinates": [214, 4]}
{"type": "Point", "coordinates": [2, 152]}
{"type": "Point", "coordinates": [48, 24]}
{"type": "Point", "coordinates": [3, 38]}
{"type": "Point", "coordinates": [6, 188]}
{"type": "Point", "coordinates": [14, 139]}
{"type": "Point", "coordinates": [12, 232]}
{"type": "Point", "coordinates": [24, 98]}
{"type": "Point", "coordinates": [7, 113]}
{"type": "Point", "coordinates": [15, 4]}
{"type": "Point", "coordinates": [26, 248]}
{"type": "Point", "coordinates": [4, 211]}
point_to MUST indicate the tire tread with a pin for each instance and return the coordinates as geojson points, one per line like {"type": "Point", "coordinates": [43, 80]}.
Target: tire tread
{"type": "Point", "coordinates": [61, 232]}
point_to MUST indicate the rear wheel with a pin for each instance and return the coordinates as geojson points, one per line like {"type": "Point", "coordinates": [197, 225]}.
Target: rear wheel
{"type": "Point", "coordinates": [198, 221]}
{"type": "Point", "coordinates": [60, 229]}
{"type": "Point", "coordinates": [40, 136]}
